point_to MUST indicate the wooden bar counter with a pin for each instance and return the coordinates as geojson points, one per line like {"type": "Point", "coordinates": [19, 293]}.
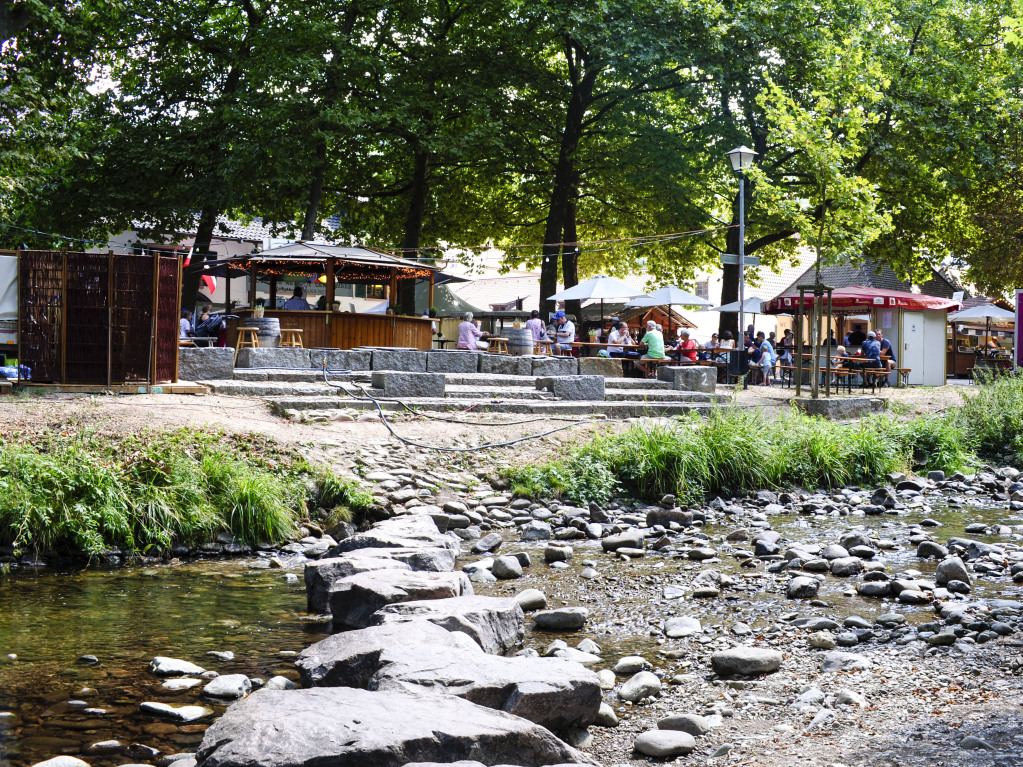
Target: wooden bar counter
{"type": "Point", "coordinates": [347, 330]}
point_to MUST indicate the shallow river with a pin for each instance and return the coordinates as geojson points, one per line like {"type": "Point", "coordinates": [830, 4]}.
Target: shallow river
{"type": "Point", "coordinates": [51, 704]}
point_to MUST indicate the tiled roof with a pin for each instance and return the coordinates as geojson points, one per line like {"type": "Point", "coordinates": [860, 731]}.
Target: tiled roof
{"type": "Point", "coordinates": [771, 284]}
{"type": "Point", "coordinates": [255, 230]}
{"type": "Point", "coordinates": [870, 274]}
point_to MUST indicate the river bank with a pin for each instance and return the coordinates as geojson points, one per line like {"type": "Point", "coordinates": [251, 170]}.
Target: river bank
{"type": "Point", "coordinates": [665, 587]}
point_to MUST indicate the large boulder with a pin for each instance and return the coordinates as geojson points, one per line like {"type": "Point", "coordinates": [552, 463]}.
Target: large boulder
{"type": "Point", "coordinates": [951, 569]}
{"type": "Point", "coordinates": [346, 727]}
{"type": "Point", "coordinates": [321, 574]}
{"type": "Point", "coordinates": [353, 600]}
{"type": "Point", "coordinates": [351, 658]}
{"type": "Point", "coordinates": [495, 624]}
{"type": "Point", "coordinates": [746, 661]}
{"type": "Point", "coordinates": [382, 538]}
{"type": "Point", "coordinates": [556, 693]}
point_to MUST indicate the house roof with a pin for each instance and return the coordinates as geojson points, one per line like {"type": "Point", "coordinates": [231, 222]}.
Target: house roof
{"type": "Point", "coordinates": [771, 283]}
{"type": "Point", "coordinates": [254, 230]}
{"type": "Point", "coordinates": [494, 291]}
{"type": "Point", "coordinates": [871, 274]}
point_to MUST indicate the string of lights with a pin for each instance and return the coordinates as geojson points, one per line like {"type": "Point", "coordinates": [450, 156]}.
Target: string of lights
{"type": "Point", "coordinates": [635, 241]}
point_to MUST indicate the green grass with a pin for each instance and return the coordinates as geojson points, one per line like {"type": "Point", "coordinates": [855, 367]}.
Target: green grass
{"type": "Point", "coordinates": [735, 451]}
{"type": "Point", "coordinates": [88, 494]}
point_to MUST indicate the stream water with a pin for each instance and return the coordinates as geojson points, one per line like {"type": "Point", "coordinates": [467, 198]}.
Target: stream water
{"type": "Point", "coordinates": [51, 703]}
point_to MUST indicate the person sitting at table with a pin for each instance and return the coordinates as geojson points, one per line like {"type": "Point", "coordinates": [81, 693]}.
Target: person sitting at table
{"type": "Point", "coordinates": [297, 300]}
{"type": "Point", "coordinates": [536, 327]}
{"type": "Point", "coordinates": [686, 347]}
{"type": "Point", "coordinates": [654, 343]}
{"type": "Point", "coordinates": [616, 338]}
{"type": "Point", "coordinates": [185, 329]}
{"type": "Point", "coordinates": [708, 348]}
{"type": "Point", "coordinates": [857, 336]}
{"type": "Point", "coordinates": [872, 351]}
{"type": "Point", "coordinates": [469, 335]}
{"type": "Point", "coordinates": [564, 334]}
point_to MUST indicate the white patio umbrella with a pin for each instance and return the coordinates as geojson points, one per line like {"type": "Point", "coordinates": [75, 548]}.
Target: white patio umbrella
{"type": "Point", "coordinates": [669, 296]}
{"type": "Point", "coordinates": [751, 305]}
{"type": "Point", "coordinates": [986, 312]}
{"type": "Point", "coordinates": [597, 288]}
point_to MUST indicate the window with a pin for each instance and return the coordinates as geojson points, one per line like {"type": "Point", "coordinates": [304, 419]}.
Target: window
{"type": "Point", "coordinates": [703, 289]}
{"type": "Point", "coordinates": [374, 291]}
{"type": "Point", "coordinates": [345, 289]}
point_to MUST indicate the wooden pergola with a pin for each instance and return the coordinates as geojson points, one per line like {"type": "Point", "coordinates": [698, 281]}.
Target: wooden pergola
{"type": "Point", "coordinates": [330, 327]}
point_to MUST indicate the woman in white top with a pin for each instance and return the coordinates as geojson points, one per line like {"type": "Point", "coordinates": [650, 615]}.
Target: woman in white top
{"type": "Point", "coordinates": [620, 335]}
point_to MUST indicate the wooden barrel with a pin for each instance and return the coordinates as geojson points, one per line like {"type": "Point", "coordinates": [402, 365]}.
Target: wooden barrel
{"type": "Point", "coordinates": [520, 341]}
{"type": "Point", "coordinates": [269, 331]}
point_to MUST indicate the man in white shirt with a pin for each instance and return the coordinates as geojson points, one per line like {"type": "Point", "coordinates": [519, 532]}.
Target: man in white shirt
{"type": "Point", "coordinates": [619, 335]}
{"type": "Point", "coordinates": [565, 332]}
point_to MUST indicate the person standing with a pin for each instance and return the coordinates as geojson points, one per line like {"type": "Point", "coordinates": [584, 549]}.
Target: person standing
{"type": "Point", "coordinates": [297, 301]}
{"type": "Point", "coordinates": [768, 358]}
{"type": "Point", "coordinates": [536, 327]}
{"type": "Point", "coordinates": [185, 329]}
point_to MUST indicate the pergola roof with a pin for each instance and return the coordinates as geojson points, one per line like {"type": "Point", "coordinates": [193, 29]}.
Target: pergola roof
{"type": "Point", "coordinates": [304, 257]}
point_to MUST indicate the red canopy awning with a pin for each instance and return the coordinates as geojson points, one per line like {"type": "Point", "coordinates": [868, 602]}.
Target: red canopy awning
{"type": "Point", "coordinates": [859, 297]}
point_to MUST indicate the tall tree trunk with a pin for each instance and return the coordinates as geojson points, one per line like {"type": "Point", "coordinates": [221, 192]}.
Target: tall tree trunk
{"type": "Point", "coordinates": [190, 277]}
{"type": "Point", "coordinates": [565, 180]}
{"type": "Point", "coordinates": [570, 259]}
{"type": "Point", "coordinates": [414, 225]}
{"type": "Point", "coordinates": [730, 285]}
{"type": "Point", "coordinates": [312, 210]}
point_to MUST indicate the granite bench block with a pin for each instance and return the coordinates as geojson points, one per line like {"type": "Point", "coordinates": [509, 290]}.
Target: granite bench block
{"type": "Point", "coordinates": [287, 357]}
{"type": "Point", "coordinates": [689, 378]}
{"type": "Point", "coordinates": [600, 366]}
{"type": "Point", "coordinates": [211, 363]}
{"type": "Point", "coordinates": [452, 361]}
{"type": "Point", "coordinates": [409, 361]}
{"type": "Point", "coordinates": [395, 384]}
{"type": "Point", "coordinates": [555, 366]}
{"type": "Point", "coordinates": [506, 365]}
{"type": "Point", "coordinates": [580, 388]}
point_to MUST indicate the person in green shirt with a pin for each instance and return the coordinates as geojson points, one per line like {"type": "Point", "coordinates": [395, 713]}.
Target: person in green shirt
{"type": "Point", "coordinates": [654, 342]}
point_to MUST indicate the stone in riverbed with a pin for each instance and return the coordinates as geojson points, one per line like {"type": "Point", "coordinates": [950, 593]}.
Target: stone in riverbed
{"type": "Point", "coordinates": [164, 666]}
{"type": "Point", "coordinates": [507, 568]}
{"type": "Point", "coordinates": [62, 761]}
{"type": "Point", "coordinates": [346, 727]}
{"type": "Point", "coordinates": [682, 626]}
{"type": "Point", "coordinates": [228, 686]}
{"type": "Point", "coordinates": [181, 713]}
{"type": "Point", "coordinates": [552, 692]}
{"type": "Point", "coordinates": [351, 658]}
{"type": "Point", "coordinates": [694, 724]}
{"type": "Point", "coordinates": [845, 661]}
{"type": "Point", "coordinates": [488, 543]}
{"type": "Point", "coordinates": [178, 684]}
{"type": "Point", "coordinates": [561, 619]}
{"type": "Point", "coordinates": [495, 624]}
{"type": "Point", "coordinates": [355, 599]}
{"type": "Point", "coordinates": [531, 599]}
{"type": "Point", "coordinates": [630, 539]}
{"type": "Point", "coordinates": [664, 744]}
{"type": "Point", "coordinates": [802, 587]}
{"type": "Point", "coordinates": [746, 661]}
{"type": "Point", "coordinates": [951, 569]}
{"type": "Point", "coordinates": [641, 685]}
{"type": "Point", "coordinates": [321, 574]}
{"type": "Point", "coordinates": [630, 664]}
{"type": "Point", "coordinates": [843, 567]}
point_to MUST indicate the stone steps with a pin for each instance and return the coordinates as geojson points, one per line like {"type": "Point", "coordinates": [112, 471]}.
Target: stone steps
{"type": "Point", "coordinates": [455, 391]}
{"type": "Point", "coordinates": [623, 409]}
{"type": "Point", "coordinates": [632, 395]}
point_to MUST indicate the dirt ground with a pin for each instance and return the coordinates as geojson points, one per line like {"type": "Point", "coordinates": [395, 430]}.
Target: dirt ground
{"type": "Point", "coordinates": [124, 414]}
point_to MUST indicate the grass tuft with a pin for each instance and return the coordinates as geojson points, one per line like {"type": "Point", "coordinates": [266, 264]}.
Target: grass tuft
{"type": "Point", "coordinates": [89, 494]}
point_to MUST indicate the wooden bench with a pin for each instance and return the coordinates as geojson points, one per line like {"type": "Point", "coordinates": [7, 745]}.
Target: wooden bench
{"type": "Point", "coordinates": [903, 375]}
{"type": "Point", "coordinates": [874, 377]}
{"type": "Point", "coordinates": [498, 345]}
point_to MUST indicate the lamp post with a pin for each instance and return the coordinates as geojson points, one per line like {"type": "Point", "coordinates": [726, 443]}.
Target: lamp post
{"type": "Point", "coordinates": [741, 159]}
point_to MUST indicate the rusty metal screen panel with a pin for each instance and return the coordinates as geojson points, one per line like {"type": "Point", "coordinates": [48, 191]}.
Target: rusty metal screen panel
{"type": "Point", "coordinates": [88, 321]}
{"type": "Point", "coordinates": [41, 307]}
{"type": "Point", "coordinates": [167, 316]}
{"type": "Point", "coordinates": [132, 318]}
